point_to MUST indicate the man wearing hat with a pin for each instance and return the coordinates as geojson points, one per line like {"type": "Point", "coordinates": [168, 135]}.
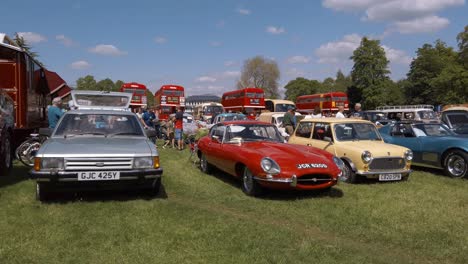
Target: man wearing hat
{"type": "Point", "coordinates": [289, 120]}
{"type": "Point", "coordinates": [55, 112]}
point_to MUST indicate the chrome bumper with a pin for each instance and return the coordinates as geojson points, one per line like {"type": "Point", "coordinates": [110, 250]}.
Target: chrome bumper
{"type": "Point", "coordinates": [291, 181]}
{"type": "Point", "coordinates": [366, 173]}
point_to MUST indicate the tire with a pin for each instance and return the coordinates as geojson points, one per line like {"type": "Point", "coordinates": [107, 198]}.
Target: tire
{"type": "Point", "coordinates": [205, 166]}
{"type": "Point", "coordinates": [456, 164]}
{"type": "Point", "coordinates": [155, 187]}
{"type": "Point", "coordinates": [249, 185]}
{"type": "Point", "coordinates": [42, 191]}
{"type": "Point", "coordinates": [6, 157]}
{"type": "Point", "coordinates": [348, 174]}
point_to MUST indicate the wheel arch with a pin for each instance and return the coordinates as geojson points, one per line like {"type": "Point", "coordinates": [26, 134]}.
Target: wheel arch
{"type": "Point", "coordinates": [350, 163]}
{"type": "Point", "coordinates": [446, 152]}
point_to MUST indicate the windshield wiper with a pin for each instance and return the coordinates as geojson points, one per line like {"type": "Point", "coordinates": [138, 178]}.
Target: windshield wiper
{"type": "Point", "coordinates": [83, 134]}
{"type": "Point", "coordinates": [125, 133]}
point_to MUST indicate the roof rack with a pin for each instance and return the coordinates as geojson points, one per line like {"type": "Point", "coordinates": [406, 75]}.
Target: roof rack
{"type": "Point", "coordinates": [394, 107]}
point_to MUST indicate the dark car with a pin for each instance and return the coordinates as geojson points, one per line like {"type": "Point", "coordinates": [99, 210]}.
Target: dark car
{"type": "Point", "coordinates": [433, 145]}
{"type": "Point", "coordinates": [7, 123]}
{"type": "Point", "coordinates": [456, 118]}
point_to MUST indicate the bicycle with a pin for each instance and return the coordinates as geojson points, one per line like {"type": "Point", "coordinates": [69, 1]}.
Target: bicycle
{"type": "Point", "coordinates": [26, 152]}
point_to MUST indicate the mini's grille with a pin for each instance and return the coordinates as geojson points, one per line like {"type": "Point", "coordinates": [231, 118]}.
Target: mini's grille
{"type": "Point", "coordinates": [381, 164]}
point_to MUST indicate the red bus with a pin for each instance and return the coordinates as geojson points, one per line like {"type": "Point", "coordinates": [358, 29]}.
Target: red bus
{"type": "Point", "coordinates": [247, 100]}
{"type": "Point", "coordinates": [167, 98]}
{"type": "Point", "coordinates": [328, 102]}
{"type": "Point", "coordinates": [138, 91]}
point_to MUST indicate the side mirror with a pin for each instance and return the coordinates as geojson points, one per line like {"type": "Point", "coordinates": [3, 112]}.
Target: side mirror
{"type": "Point", "coordinates": [328, 139]}
{"type": "Point", "coordinates": [215, 139]}
{"type": "Point", "coordinates": [45, 131]}
{"type": "Point", "coordinates": [150, 133]}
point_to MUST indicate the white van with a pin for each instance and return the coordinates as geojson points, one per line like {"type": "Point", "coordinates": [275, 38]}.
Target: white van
{"type": "Point", "coordinates": [424, 113]}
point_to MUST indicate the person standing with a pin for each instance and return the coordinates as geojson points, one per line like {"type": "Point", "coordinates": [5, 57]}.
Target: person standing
{"type": "Point", "coordinates": [148, 118]}
{"type": "Point", "coordinates": [55, 112]}
{"type": "Point", "coordinates": [340, 113]}
{"type": "Point", "coordinates": [289, 120]}
{"type": "Point", "coordinates": [357, 110]}
{"type": "Point", "coordinates": [178, 128]}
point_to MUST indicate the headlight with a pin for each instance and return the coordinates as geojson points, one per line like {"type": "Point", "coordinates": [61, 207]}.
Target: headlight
{"type": "Point", "coordinates": [52, 163]}
{"type": "Point", "coordinates": [269, 166]}
{"type": "Point", "coordinates": [409, 155]}
{"type": "Point", "coordinates": [143, 162]}
{"type": "Point", "coordinates": [339, 163]}
{"type": "Point", "coordinates": [366, 156]}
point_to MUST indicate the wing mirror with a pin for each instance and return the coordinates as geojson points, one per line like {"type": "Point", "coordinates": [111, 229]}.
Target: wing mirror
{"type": "Point", "coordinates": [215, 139]}
{"type": "Point", "coordinates": [328, 139]}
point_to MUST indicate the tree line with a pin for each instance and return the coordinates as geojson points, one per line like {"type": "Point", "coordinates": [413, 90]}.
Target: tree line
{"type": "Point", "coordinates": [438, 75]}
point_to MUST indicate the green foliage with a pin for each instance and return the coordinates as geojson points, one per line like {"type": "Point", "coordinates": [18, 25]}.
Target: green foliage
{"type": "Point", "coordinates": [106, 85]}
{"type": "Point", "coordinates": [370, 73]}
{"type": "Point", "coordinates": [300, 86]}
{"type": "Point", "coordinates": [342, 82]}
{"type": "Point", "coordinates": [118, 84]}
{"type": "Point", "coordinates": [462, 39]}
{"type": "Point", "coordinates": [262, 73]}
{"type": "Point", "coordinates": [451, 85]}
{"type": "Point", "coordinates": [429, 63]}
{"type": "Point", "coordinates": [22, 43]}
{"type": "Point", "coordinates": [86, 83]}
{"type": "Point", "coordinates": [149, 98]}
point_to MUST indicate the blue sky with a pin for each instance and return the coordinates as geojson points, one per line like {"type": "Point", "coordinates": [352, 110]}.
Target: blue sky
{"type": "Point", "coordinates": [202, 44]}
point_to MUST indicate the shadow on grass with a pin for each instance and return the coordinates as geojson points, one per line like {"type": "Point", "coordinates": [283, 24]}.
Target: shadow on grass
{"type": "Point", "coordinates": [271, 194]}
{"type": "Point", "coordinates": [18, 174]}
{"type": "Point", "coordinates": [63, 196]}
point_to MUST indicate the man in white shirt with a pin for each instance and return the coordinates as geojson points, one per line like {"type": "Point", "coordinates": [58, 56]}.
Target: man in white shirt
{"type": "Point", "coordinates": [340, 113]}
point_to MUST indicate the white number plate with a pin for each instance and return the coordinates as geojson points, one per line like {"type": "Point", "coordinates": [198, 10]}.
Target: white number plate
{"type": "Point", "coordinates": [390, 177]}
{"type": "Point", "coordinates": [98, 175]}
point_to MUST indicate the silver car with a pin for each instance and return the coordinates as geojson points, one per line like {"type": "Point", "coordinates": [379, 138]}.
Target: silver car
{"type": "Point", "coordinates": [99, 145]}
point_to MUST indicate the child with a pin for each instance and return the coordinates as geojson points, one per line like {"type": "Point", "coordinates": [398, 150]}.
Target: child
{"type": "Point", "coordinates": [170, 133]}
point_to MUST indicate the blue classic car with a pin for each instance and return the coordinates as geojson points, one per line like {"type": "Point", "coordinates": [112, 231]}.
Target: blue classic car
{"type": "Point", "coordinates": [433, 145]}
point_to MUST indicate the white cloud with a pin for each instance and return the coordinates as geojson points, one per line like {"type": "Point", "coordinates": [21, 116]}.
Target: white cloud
{"type": "Point", "coordinates": [104, 49]}
{"type": "Point", "coordinates": [32, 37]}
{"type": "Point", "coordinates": [229, 63]}
{"type": "Point", "coordinates": [80, 65]}
{"type": "Point", "coordinates": [243, 11]}
{"type": "Point", "coordinates": [64, 40]}
{"type": "Point", "coordinates": [425, 24]}
{"type": "Point", "coordinates": [160, 40]}
{"type": "Point", "coordinates": [294, 73]}
{"type": "Point", "coordinates": [298, 59]}
{"type": "Point", "coordinates": [205, 79]}
{"type": "Point", "coordinates": [350, 5]}
{"type": "Point", "coordinates": [396, 56]}
{"type": "Point", "coordinates": [216, 43]}
{"type": "Point", "coordinates": [275, 30]}
{"type": "Point", "coordinates": [230, 74]}
{"type": "Point", "coordinates": [339, 51]}
{"type": "Point", "coordinates": [407, 9]}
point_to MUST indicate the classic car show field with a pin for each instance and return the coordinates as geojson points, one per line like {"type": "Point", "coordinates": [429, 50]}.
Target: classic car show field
{"type": "Point", "coordinates": [200, 218]}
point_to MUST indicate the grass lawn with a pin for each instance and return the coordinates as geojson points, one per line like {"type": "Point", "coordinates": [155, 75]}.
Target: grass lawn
{"type": "Point", "coordinates": [201, 218]}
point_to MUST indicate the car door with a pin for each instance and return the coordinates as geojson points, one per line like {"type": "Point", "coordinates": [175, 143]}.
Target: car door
{"type": "Point", "coordinates": [402, 134]}
{"type": "Point", "coordinates": [322, 137]}
{"type": "Point", "coordinates": [302, 134]}
{"type": "Point", "coordinates": [215, 146]}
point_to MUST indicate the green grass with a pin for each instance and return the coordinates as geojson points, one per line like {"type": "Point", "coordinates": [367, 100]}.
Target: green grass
{"type": "Point", "coordinates": [202, 218]}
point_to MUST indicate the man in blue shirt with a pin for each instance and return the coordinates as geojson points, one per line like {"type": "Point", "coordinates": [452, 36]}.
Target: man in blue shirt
{"type": "Point", "coordinates": [148, 118]}
{"type": "Point", "coordinates": [55, 112]}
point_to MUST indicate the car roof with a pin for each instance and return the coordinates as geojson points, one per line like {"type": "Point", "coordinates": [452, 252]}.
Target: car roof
{"type": "Point", "coordinates": [456, 108]}
{"type": "Point", "coordinates": [99, 112]}
{"type": "Point", "coordinates": [336, 120]}
{"type": "Point", "coordinates": [245, 122]}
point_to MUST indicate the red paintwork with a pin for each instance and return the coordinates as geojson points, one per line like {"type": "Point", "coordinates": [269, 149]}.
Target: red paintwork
{"type": "Point", "coordinates": [247, 100]}
{"type": "Point", "coordinates": [168, 98]}
{"type": "Point", "coordinates": [139, 94]}
{"type": "Point", "coordinates": [328, 102]}
{"type": "Point", "coordinates": [226, 156]}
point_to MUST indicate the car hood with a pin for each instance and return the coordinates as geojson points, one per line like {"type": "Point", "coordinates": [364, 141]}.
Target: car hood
{"type": "Point", "coordinates": [377, 148]}
{"type": "Point", "coordinates": [97, 146]}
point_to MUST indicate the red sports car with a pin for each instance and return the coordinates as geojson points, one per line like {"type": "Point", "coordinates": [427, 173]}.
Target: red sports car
{"type": "Point", "coordinates": [257, 153]}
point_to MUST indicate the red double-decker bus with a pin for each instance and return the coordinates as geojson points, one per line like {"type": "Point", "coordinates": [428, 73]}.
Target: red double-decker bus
{"type": "Point", "coordinates": [138, 92]}
{"type": "Point", "coordinates": [247, 100]}
{"type": "Point", "coordinates": [328, 102]}
{"type": "Point", "coordinates": [167, 98]}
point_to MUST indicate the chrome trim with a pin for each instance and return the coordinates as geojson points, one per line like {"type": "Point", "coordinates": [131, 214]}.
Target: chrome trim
{"type": "Point", "coordinates": [383, 172]}
{"type": "Point", "coordinates": [280, 180]}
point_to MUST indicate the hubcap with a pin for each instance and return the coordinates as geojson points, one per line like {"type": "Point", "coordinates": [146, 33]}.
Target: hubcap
{"type": "Point", "coordinates": [456, 165]}
{"type": "Point", "coordinates": [345, 173]}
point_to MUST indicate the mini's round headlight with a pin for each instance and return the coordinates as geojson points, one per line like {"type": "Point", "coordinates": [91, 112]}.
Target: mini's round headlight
{"type": "Point", "coordinates": [408, 155]}
{"type": "Point", "coordinates": [366, 156]}
{"type": "Point", "coordinates": [269, 166]}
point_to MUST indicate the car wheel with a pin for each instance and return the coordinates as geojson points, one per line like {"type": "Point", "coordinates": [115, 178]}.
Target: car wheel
{"type": "Point", "coordinates": [348, 174]}
{"type": "Point", "coordinates": [6, 159]}
{"type": "Point", "coordinates": [456, 164]}
{"type": "Point", "coordinates": [42, 192]}
{"type": "Point", "coordinates": [155, 187]}
{"type": "Point", "coordinates": [205, 166]}
{"type": "Point", "coordinates": [249, 185]}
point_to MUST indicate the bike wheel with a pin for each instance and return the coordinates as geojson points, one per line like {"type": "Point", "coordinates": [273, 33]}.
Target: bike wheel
{"type": "Point", "coordinates": [26, 152]}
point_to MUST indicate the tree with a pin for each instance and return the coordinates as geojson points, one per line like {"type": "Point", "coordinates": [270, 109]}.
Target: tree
{"type": "Point", "coordinates": [86, 83]}
{"type": "Point", "coordinates": [342, 82]}
{"type": "Point", "coordinates": [429, 63]}
{"type": "Point", "coordinates": [462, 39]}
{"type": "Point", "coordinates": [118, 84]}
{"type": "Point", "coordinates": [300, 86]}
{"type": "Point", "coordinates": [105, 85]}
{"type": "Point", "coordinates": [262, 73]}
{"type": "Point", "coordinates": [149, 98]}
{"type": "Point", "coordinates": [370, 73]}
{"type": "Point", "coordinates": [328, 85]}
{"type": "Point", "coordinates": [451, 85]}
{"type": "Point", "coordinates": [22, 43]}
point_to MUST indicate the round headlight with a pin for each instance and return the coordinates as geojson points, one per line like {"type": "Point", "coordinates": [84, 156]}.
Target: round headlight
{"type": "Point", "coordinates": [269, 166]}
{"type": "Point", "coordinates": [409, 155]}
{"type": "Point", "coordinates": [366, 156]}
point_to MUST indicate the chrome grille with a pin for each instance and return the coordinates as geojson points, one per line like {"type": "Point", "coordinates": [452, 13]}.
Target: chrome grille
{"type": "Point", "coordinates": [98, 163]}
{"type": "Point", "coordinates": [381, 164]}
{"type": "Point", "coordinates": [313, 179]}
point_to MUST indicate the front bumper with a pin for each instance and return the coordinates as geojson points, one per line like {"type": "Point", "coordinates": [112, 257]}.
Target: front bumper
{"type": "Point", "coordinates": [375, 174]}
{"type": "Point", "coordinates": [294, 181]}
{"type": "Point", "coordinates": [72, 176]}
